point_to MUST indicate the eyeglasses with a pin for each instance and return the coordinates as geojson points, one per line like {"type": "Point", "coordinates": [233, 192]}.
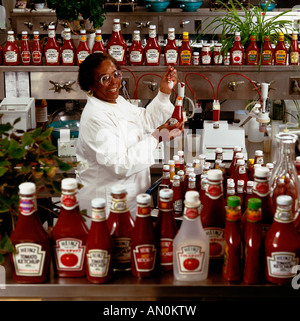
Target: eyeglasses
{"type": "Point", "coordinates": [105, 80]}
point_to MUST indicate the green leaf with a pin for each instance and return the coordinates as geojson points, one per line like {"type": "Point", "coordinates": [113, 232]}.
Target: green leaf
{"type": "Point", "coordinates": [16, 121]}
{"type": "Point", "coordinates": [63, 166]}
{"type": "Point", "coordinates": [47, 132]}
{"type": "Point", "coordinates": [47, 146]}
{"type": "Point", "coordinates": [27, 139]}
{"type": "Point", "coordinates": [3, 170]}
{"type": "Point", "coordinates": [6, 244]}
{"type": "Point", "coordinates": [14, 150]}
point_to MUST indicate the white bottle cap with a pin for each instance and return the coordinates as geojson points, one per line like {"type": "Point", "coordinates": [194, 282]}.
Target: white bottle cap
{"type": "Point", "coordinates": [171, 29]}
{"type": "Point", "coordinates": [83, 31]}
{"type": "Point", "coordinates": [24, 32]}
{"type": "Point", "coordinates": [143, 198]}
{"type": "Point", "coordinates": [171, 162]}
{"type": "Point", "coordinates": [259, 153]}
{"type": "Point", "coordinates": [180, 153]}
{"type": "Point", "coordinates": [116, 20]}
{"type": "Point", "coordinates": [237, 148]}
{"type": "Point", "coordinates": [118, 189]}
{"type": "Point", "coordinates": [166, 193]}
{"type": "Point", "coordinates": [69, 183]}
{"type": "Point", "coordinates": [10, 32]}
{"type": "Point", "coordinates": [181, 172]}
{"type": "Point", "coordinates": [98, 31]}
{"type": "Point", "coordinates": [189, 165]}
{"type": "Point", "coordinates": [176, 158]}
{"type": "Point", "coordinates": [27, 188]}
{"type": "Point", "coordinates": [152, 26]}
{"type": "Point", "coordinates": [166, 167]}
{"type": "Point", "coordinates": [239, 155]}
{"type": "Point", "coordinates": [284, 200]}
{"type": "Point", "coordinates": [136, 31]}
{"type": "Point", "coordinates": [202, 156]}
{"type": "Point", "coordinates": [67, 30]}
{"type": "Point", "coordinates": [270, 165]}
{"type": "Point", "coordinates": [98, 202]}
{"type": "Point", "coordinates": [176, 177]}
{"type": "Point", "coordinates": [230, 183]}
{"type": "Point", "coordinates": [298, 159]}
{"type": "Point", "coordinates": [240, 162]}
{"type": "Point", "coordinates": [192, 199]}
{"type": "Point", "coordinates": [51, 27]}
{"type": "Point", "coordinates": [219, 150]}
{"type": "Point", "coordinates": [240, 182]}
{"type": "Point", "coordinates": [261, 171]}
{"type": "Point", "coordinates": [250, 183]}
{"type": "Point", "coordinates": [36, 32]}
{"type": "Point", "coordinates": [214, 174]}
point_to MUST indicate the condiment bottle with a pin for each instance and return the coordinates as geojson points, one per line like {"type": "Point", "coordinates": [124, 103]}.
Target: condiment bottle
{"type": "Point", "coordinates": [251, 168]}
{"type": "Point", "coordinates": [83, 50]}
{"type": "Point", "coordinates": [143, 240]}
{"type": "Point", "coordinates": [171, 49]}
{"type": "Point", "coordinates": [236, 149]}
{"type": "Point", "coordinates": [240, 192]}
{"type": "Point", "coordinates": [240, 171]}
{"type": "Point", "coordinates": [177, 196]}
{"type": "Point", "coordinates": [227, 59]}
{"type": "Point", "coordinates": [98, 45]}
{"type": "Point", "coordinates": [177, 163]}
{"type": "Point", "coordinates": [182, 176]}
{"type": "Point", "coordinates": [165, 229]}
{"type": "Point", "coordinates": [249, 193]}
{"type": "Point", "coordinates": [36, 49]}
{"type": "Point", "coordinates": [99, 245]}
{"type": "Point", "coordinates": [267, 51]}
{"type": "Point", "coordinates": [152, 48]}
{"type": "Point", "coordinates": [297, 165]}
{"type": "Point", "coordinates": [31, 259]}
{"type": "Point", "coordinates": [196, 58]}
{"type": "Point", "coordinates": [232, 240]}
{"type": "Point", "coordinates": [177, 116]}
{"type": "Point", "coordinates": [11, 56]}
{"type": "Point", "coordinates": [136, 50]}
{"type": "Point", "coordinates": [253, 260]}
{"type": "Point", "coordinates": [280, 52]}
{"type": "Point", "coordinates": [172, 168]}
{"type": "Point", "coordinates": [166, 175]}
{"type": "Point", "coordinates": [203, 188]}
{"type": "Point", "coordinates": [41, 113]}
{"type": "Point", "coordinates": [120, 225]}
{"type": "Point", "coordinates": [67, 49]}
{"type": "Point", "coordinates": [252, 52]}
{"type": "Point", "coordinates": [217, 57]}
{"type": "Point", "coordinates": [259, 157]}
{"type": "Point", "coordinates": [205, 54]}
{"type": "Point", "coordinates": [69, 234]}
{"type": "Point", "coordinates": [116, 45]}
{"type": "Point", "coordinates": [219, 153]}
{"type": "Point", "coordinates": [191, 244]}
{"type": "Point", "coordinates": [282, 244]}
{"type": "Point", "coordinates": [230, 190]}
{"type": "Point", "coordinates": [192, 183]}
{"type": "Point", "coordinates": [181, 159]}
{"type": "Point", "coordinates": [25, 50]}
{"type": "Point", "coordinates": [294, 49]}
{"type": "Point", "coordinates": [185, 51]}
{"type": "Point", "coordinates": [237, 51]}
{"type": "Point", "coordinates": [51, 49]}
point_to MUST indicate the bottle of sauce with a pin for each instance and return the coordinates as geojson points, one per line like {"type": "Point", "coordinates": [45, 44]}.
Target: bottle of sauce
{"type": "Point", "coordinates": [282, 244]}
{"type": "Point", "coordinates": [116, 45]}
{"type": "Point", "coordinates": [259, 157]}
{"type": "Point", "coordinates": [177, 116]}
{"type": "Point", "coordinates": [232, 240]}
{"type": "Point", "coordinates": [120, 225]}
{"type": "Point", "coordinates": [166, 176]}
{"type": "Point", "coordinates": [181, 159]}
{"type": "Point", "coordinates": [165, 229]}
{"type": "Point", "coordinates": [83, 50]}
{"type": "Point", "coordinates": [177, 163]}
{"type": "Point", "coordinates": [252, 52]}
{"type": "Point", "coordinates": [267, 51]}
{"type": "Point", "coordinates": [237, 51]}
{"type": "Point", "coordinates": [230, 189]}
{"type": "Point", "coordinates": [294, 50]}
{"type": "Point", "coordinates": [280, 52]}
{"type": "Point", "coordinates": [205, 54]}
{"type": "Point", "coordinates": [236, 149]}
{"type": "Point", "coordinates": [152, 48]}
{"type": "Point", "coordinates": [69, 234]}
{"type": "Point", "coordinates": [191, 244]}
{"type": "Point", "coordinates": [36, 52]}
{"type": "Point", "coordinates": [172, 169]}
{"type": "Point", "coordinates": [171, 49]}
{"type": "Point", "coordinates": [98, 45]}
{"type": "Point", "coordinates": [217, 57]}
{"type": "Point", "coordinates": [41, 113]}
{"type": "Point", "coordinates": [181, 175]}
{"type": "Point", "coordinates": [248, 194]}
{"type": "Point", "coordinates": [99, 246]}
{"type": "Point", "coordinates": [196, 58]}
{"type": "Point", "coordinates": [185, 51]}
{"type": "Point", "coordinates": [240, 192]}
{"type": "Point", "coordinates": [297, 164]}
{"type": "Point", "coordinates": [51, 49]}
{"type": "Point", "coordinates": [192, 183]}
{"type": "Point", "coordinates": [67, 49]}
{"type": "Point", "coordinates": [31, 259]}
{"type": "Point", "coordinates": [11, 55]}
{"type": "Point", "coordinates": [240, 171]}
{"type": "Point", "coordinates": [143, 240]}
{"type": "Point", "coordinates": [136, 50]}
{"type": "Point", "coordinates": [177, 196]}
{"type": "Point", "coordinates": [25, 50]}
{"type": "Point", "coordinates": [253, 260]}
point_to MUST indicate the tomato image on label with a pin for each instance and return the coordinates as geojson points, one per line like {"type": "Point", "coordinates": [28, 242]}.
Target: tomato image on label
{"type": "Point", "coordinates": [191, 264]}
{"type": "Point", "coordinates": [69, 200]}
{"type": "Point", "coordinates": [69, 259]}
{"type": "Point", "coordinates": [262, 188]}
{"type": "Point", "coordinates": [215, 249]}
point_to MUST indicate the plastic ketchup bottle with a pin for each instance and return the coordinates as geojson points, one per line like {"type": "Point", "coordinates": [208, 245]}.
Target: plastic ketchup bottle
{"type": "Point", "coordinates": [69, 234]}
{"type": "Point", "coordinates": [68, 49]}
{"type": "Point", "coordinates": [25, 50]}
{"type": "Point", "coordinates": [152, 48]}
{"type": "Point", "coordinates": [11, 55]}
{"type": "Point", "coordinates": [136, 50]}
{"type": "Point", "coordinates": [36, 52]}
{"type": "Point", "coordinates": [171, 49]}
{"type": "Point", "coordinates": [237, 51]}
{"type": "Point", "coordinates": [267, 51]}
{"type": "Point", "coordinates": [31, 259]}
{"type": "Point", "coordinates": [99, 245]}
{"type": "Point", "coordinates": [116, 45]}
{"type": "Point", "coordinates": [143, 241]}
{"type": "Point", "coordinates": [294, 49]}
{"type": "Point", "coordinates": [280, 52]}
{"type": "Point", "coordinates": [83, 50]}
{"type": "Point", "coordinates": [98, 45]}
{"type": "Point", "coordinates": [185, 51]}
{"type": "Point", "coordinates": [252, 52]}
{"type": "Point", "coordinates": [51, 49]}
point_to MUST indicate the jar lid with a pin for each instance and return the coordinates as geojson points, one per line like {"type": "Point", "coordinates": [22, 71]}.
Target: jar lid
{"type": "Point", "coordinates": [259, 153]}
{"type": "Point", "coordinates": [152, 26]}
{"type": "Point", "coordinates": [51, 27]}
{"type": "Point", "coordinates": [192, 199]}
{"type": "Point", "coordinates": [250, 183]}
{"type": "Point", "coordinates": [196, 53]}
{"type": "Point", "coordinates": [261, 171]}
{"type": "Point", "coordinates": [171, 162]}
{"type": "Point", "coordinates": [118, 189]}
{"type": "Point", "coordinates": [254, 203]}
{"type": "Point", "coordinates": [176, 177]}
{"type": "Point", "coordinates": [202, 156]}
{"type": "Point", "coordinates": [241, 182]}
{"type": "Point", "coordinates": [240, 161]}
{"type": "Point", "coordinates": [237, 148]}
{"type": "Point", "coordinates": [233, 201]}
{"type": "Point", "coordinates": [69, 183]}
{"type": "Point", "coordinates": [116, 20]}
{"type": "Point", "coordinates": [98, 31]}
{"type": "Point", "coordinates": [98, 202]}
{"type": "Point", "coordinates": [143, 198]}
{"type": "Point", "coordinates": [214, 174]}
{"type": "Point", "coordinates": [83, 31]}
{"type": "Point", "coordinates": [284, 200]}
{"type": "Point", "coordinates": [24, 32]}
{"type": "Point", "coordinates": [136, 31]}
{"type": "Point", "coordinates": [230, 183]}
{"type": "Point", "coordinates": [67, 29]}
{"type": "Point", "coordinates": [171, 29]}
{"type": "Point", "coordinates": [166, 193]}
{"type": "Point", "coordinates": [36, 32]}
{"type": "Point", "coordinates": [10, 32]}
{"type": "Point", "coordinates": [239, 155]}
{"type": "Point", "coordinates": [27, 188]}
{"type": "Point", "coordinates": [180, 173]}
{"type": "Point", "coordinates": [219, 150]}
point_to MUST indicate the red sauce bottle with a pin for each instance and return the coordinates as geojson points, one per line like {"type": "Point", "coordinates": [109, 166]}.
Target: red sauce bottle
{"type": "Point", "coordinates": [143, 241]}
{"type": "Point", "coordinates": [232, 240]}
{"type": "Point", "coordinates": [136, 50]}
{"type": "Point", "coordinates": [51, 49]}
{"type": "Point", "coordinates": [171, 49]}
{"type": "Point", "coordinates": [252, 52]}
{"type": "Point", "coordinates": [267, 52]}
{"type": "Point", "coordinates": [36, 51]}
{"type": "Point", "coordinates": [217, 56]}
{"type": "Point", "coordinates": [152, 48]}
{"type": "Point", "coordinates": [11, 55]}
{"type": "Point", "coordinates": [177, 196]}
{"type": "Point", "coordinates": [185, 51]}
{"type": "Point", "coordinates": [237, 51]}
{"type": "Point", "coordinates": [31, 259]}
{"type": "Point", "coordinates": [282, 244]}
{"type": "Point", "coordinates": [25, 50]}
{"type": "Point", "coordinates": [177, 116]}
{"type": "Point", "coordinates": [294, 49]}
{"type": "Point", "coordinates": [165, 229]}
{"type": "Point", "coordinates": [280, 52]}
{"type": "Point", "coordinates": [116, 45]}
{"type": "Point", "coordinates": [83, 50]}
{"type": "Point", "coordinates": [259, 157]}
{"type": "Point", "coordinates": [241, 171]}
{"type": "Point", "coordinates": [253, 260]}
{"type": "Point", "coordinates": [230, 189]}
{"type": "Point", "coordinates": [98, 45]}
{"type": "Point", "coordinates": [192, 183]}
{"type": "Point", "coordinates": [297, 164]}
{"type": "Point", "coordinates": [249, 193]}
{"type": "Point", "coordinates": [69, 234]}
{"type": "Point", "coordinates": [205, 56]}
{"type": "Point", "coordinates": [1, 53]}
{"type": "Point", "coordinates": [240, 192]}
{"type": "Point", "coordinates": [166, 176]}
{"type": "Point", "coordinates": [120, 225]}
{"type": "Point", "coordinates": [68, 49]}
{"type": "Point", "coordinates": [236, 149]}
{"type": "Point", "coordinates": [99, 246]}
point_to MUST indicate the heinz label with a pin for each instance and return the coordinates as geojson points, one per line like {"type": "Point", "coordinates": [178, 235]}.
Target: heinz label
{"type": "Point", "coordinates": [216, 241]}
{"type": "Point", "coordinates": [144, 257]}
{"type": "Point", "coordinates": [280, 264]}
{"type": "Point", "coordinates": [190, 259]}
{"type": "Point", "coordinates": [166, 251]}
{"type": "Point", "coordinates": [98, 262]}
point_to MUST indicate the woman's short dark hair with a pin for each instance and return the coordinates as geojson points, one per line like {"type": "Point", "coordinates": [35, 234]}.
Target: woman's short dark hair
{"type": "Point", "coordinates": [87, 67]}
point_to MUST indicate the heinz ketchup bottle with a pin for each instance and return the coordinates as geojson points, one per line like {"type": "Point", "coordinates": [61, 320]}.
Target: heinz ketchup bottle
{"type": "Point", "coordinates": [280, 51]}
{"type": "Point", "coordinates": [69, 234]}
{"type": "Point", "coordinates": [171, 49]}
{"type": "Point", "coordinates": [32, 256]}
{"type": "Point", "coordinates": [143, 240]}
{"type": "Point", "coordinates": [177, 116]}
{"type": "Point", "coordinates": [185, 51]}
{"type": "Point", "coordinates": [237, 51]}
{"type": "Point", "coordinates": [83, 50]}
{"type": "Point", "coordinates": [98, 45]}
{"type": "Point", "coordinates": [177, 196]}
{"type": "Point", "coordinates": [51, 49]}
{"type": "Point", "coordinates": [294, 50]}
{"type": "Point", "coordinates": [99, 246]}
{"type": "Point", "coordinates": [36, 52]}
{"type": "Point", "coordinates": [152, 48]}
{"type": "Point", "coordinates": [116, 45]}
{"type": "Point", "coordinates": [267, 51]}
{"type": "Point", "coordinates": [67, 49]}
{"type": "Point", "coordinates": [25, 50]}
{"type": "Point", "coordinates": [11, 55]}
{"type": "Point", "coordinates": [252, 51]}
{"type": "Point", "coordinates": [136, 50]}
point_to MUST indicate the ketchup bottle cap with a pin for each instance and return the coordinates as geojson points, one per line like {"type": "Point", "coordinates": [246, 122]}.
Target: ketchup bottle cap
{"type": "Point", "coordinates": [233, 201]}
{"type": "Point", "coordinates": [118, 189]}
{"type": "Point", "coordinates": [261, 171]}
{"type": "Point", "coordinates": [214, 174]}
{"type": "Point", "coordinates": [98, 202]}
{"type": "Point", "coordinates": [192, 199]}
{"type": "Point", "coordinates": [284, 200]}
{"type": "Point", "coordinates": [69, 183]}
{"type": "Point", "coordinates": [166, 193]}
{"type": "Point", "coordinates": [254, 203]}
{"type": "Point", "coordinates": [27, 188]}
{"type": "Point", "coordinates": [143, 198]}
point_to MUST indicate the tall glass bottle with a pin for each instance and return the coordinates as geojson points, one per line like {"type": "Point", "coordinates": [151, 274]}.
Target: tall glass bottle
{"type": "Point", "coordinates": [136, 50]}
{"type": "Point", "coordinates": [252, 51]}
{"type": "Point", "coordinates": [294, 50]}
{"type": "Point", "coordinates": [171, 49]}
{"type": "Point", "coordinates": [11, 55]}
{"type": "Point", "coordinates": [98, 45]}
{"type": "Point", "coordinates": [152, 49]}
{"type": "Point", "coordinates": [36, 49]}
{"type": "Point", "coordinates": [177, 116]}
{"type": "Point", "coordinates": [267, 51]}
{"type": "Point", "coordinates": [116, 45]}
{"type": "Point", "coordinates": [68, 49]}
{"type": "Point", "coordinates": [83, 50]}
{"type": "Point", "coordinates": [51, 49]}
{"type": "Point", "coordinates": [236, 149]}
{"type": "Point", "coordinates": [177, 196]}
{"type": "Point", "coordinates": [166, 176]}
{"type": "Point", "coordinates": [237, 51]}
{"type": "Point", "coordinates": [280, 51]}
{"type": "Point", "coordinates": [25, 50]}
{"type": "Point", "coordinates": [185, 51]}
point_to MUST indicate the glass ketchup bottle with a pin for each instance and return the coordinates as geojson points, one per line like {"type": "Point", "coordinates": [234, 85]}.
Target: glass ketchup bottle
{"type": "Point", "coordinates": [67, 49]}
{"type": "Point", "coordinates": [136, 50]}
{"type": "Point", "coordinates": [252, 51]}
{"type": "Point", "coordinates": [36, 51]}
{"type": "Point", "coordinates": [177, 196]}
{"type": "Point", "coordinates": [143, 240]}
{"type": "Point", "coordinates": [31, 259]}
{"type": "Point", "coordinates": [237, 51]}
{"type": "Point", "coordinates": [98, 45]}
{"type": "Point", "coordinates": [152, 49]}
{"type": "Point", "coordinates": [267, 51]}
{"type": "Point", "coordinates": [120, 225]}
{"type": "Point", "coordinates": [116, 45]}
{"type": "Point", "coordinates": [69, 234]}
{"type": "Point", "coordinates": [294, 50]}
{"type": "Point", "coordinates": [51, 49]}
{"type": "Point", "coordinates": [185, 51]}
{"type": "Point", "coordinates": [166, 176]}
{"type": "Point", "coordinates": [83, 50]}
{"type": "Point", "coordinates": [236, 149]}
{"type": "Point", "coordinates": [11, 55]}
{"type": "Point", "coordinates": [99, 246]}
{"type": "Point", "coordinates": [177, 116]}
{"type": "Point", "coordinates": [165, 229]}
{"type": "Point", "coordinates": [25, 50]}
{"type": "Point", "coordinates": [282, 244]}
{"type": "Point", "coordinates": [171, 49]}
{"type": "Point", "coordinates": [280, 51]}
{"type": "Point", "coordinates": [206, 56]}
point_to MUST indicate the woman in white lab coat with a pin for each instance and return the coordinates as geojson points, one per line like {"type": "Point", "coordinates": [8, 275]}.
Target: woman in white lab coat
{"type": "Point", "coordinates": [116, 138]}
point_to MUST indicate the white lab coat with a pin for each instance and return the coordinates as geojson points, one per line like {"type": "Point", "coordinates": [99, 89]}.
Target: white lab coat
{"type": "Point", "coordinates": [115, 147]}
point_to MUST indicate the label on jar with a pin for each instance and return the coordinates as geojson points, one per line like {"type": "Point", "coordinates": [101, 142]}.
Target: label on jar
{"type": "Point", "coordinates": [177, 205]}
{"type": "Point", "coordinates": [135, 56]}
{"type": "Point", "coordinates": [237, 56]}
{"type": "Point", "coordinates": [294, 57]}
{"type": "Point", "coordinates": [152, 56]}
{"type": "Point", "coordinates": [280, 57]}
{"type": "Point", "coordinates": [27, 205]}
{"type": "Point", "coordinates": [171, 56]}
{"type": "Point", "coordinates": [214, 191]}
{"type": "Point", "coordinates": [98, 214]}
{"type": "Point", "coordinates": [29, 259]}
{"type": "Point", "coordinates": [166, 251]}
{"type": "Point", "coordinates": [67, 56]}
{"type": "Point", "coordinates": [122, 249]}
{"type": "Point", "coordinates": [11, 56]}
{"type": "Point", "coordinates": [25, 55]}
{"type": "Point", "coordinates": [81, 55]}
{"type": "Point", "coordinates": [52, 56]}
{"type": "Point", "coordinates": [186, 56]}
{"type": "Point", "coordinates": [117, 52]}
{"type": "Point", "coordinates": [119, 205]}
{"type": "Point", "coordinates": [261, 188]}
{"type": "Point", "coordinates": [190, 259]}
{"type": "Point", "coordinates": [216, 241]}
{"type": "Point", "coordinates": [98, 262]}
{"type": "Point", "coordinates": [206, 59]}
{"type": "Point", "coordinates": [69, 200]}
{"type": "Point", "coordinates": [242, 169]}
{"type": "Point", "coordinates": [280, 264]}
{"type": "Point", "coordinates": [144, 257]}
{"type": "Point", "coordinates": [36, 57]}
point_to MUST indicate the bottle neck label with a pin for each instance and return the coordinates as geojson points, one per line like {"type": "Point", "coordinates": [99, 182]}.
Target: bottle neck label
{"type": "Point", "coordinates": [98, 214]}
{"type": "Point", "coordinates": [233, 214]}
{"type": "Point", "coordinates": [67, 36]}
{"type": "Point", "coordinates": [51, 33]}
{"type": "Point", "coordinates": [261, 187]}
{"type": "Point", "coordinates": [171, 36]}
{"type": "Point", "coordinates": [283, 215]}
{"type": "Point", "coordinates": [143, 211]}
{"type": "Point", "coordinates": [27, 205]}
{"type": "Point", "coordinates": [69, 200]}
{"type": "Point", "coordinates": [119, 205]}
{"type": "Point", "coordinates": [136, 37]}
{"type": "Point", "coordinates": [253, 215]}
{"type": "Point", "coordinates": [116, 27]}
{"type": "Point", "coordinates": [192, 213]}
{"type": "Point", "coordinates": [214, 190]}
{"type": "Point", "coordinates": [152, 33]}
{"type": "Point", "coordinates": [10, 38]}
